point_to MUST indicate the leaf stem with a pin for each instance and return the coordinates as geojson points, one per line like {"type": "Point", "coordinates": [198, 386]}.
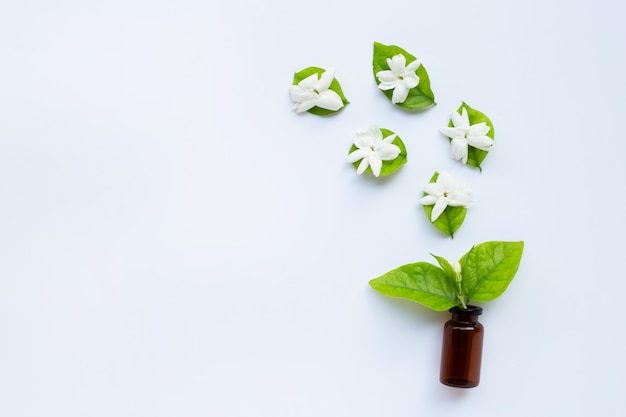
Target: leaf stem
{"type": "Point", "coordinates": [460, 295]}
{"type": "Point", "coordinates": [463, 304]}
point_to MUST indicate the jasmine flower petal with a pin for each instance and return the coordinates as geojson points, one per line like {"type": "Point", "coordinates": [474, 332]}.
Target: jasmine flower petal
{"type": "Point", "coordinates": [329, 100]}
{"type": "Point", "coordinates": [479, 129]}
{"type": "Point", "coordinates": [386, 76]}
{"type": "Point", "coordinates": [375, 133]}
{"type": "Point", "coordinates": [413, 66]}
{"type": "Point", "coordinates": [326, 78]}
{"type": "Point", "coordinates": [397, 63]}
{"type": "Point", "coordinates": [481, 142]}
{"type": "Point", "coordinates": [459, 149]}
{"type": "Point", "coordinates": [358, 155]}
{"type": "Point", "coordinates": [460, 201]}
{"type": "Point", "coordinates": [366, 139]}
{"type": "Point", "coordinates": [376, 165]}
{"type": "Point", "coordinates": [410, 81]}
{"type": "Point", "coordinates": [386, 151]}
{"type": "Point", "coordinates": [428, 200]}
{"type": "Point", "coordinates": [400, 94]}
{"type": "Point", "coordinates": [465, 117]}
{"type": "Point", "coordinates": [440, 206]}
{"type": "Point", "coordinates": [452, 132]}
{"type": "Point", "coordinates": [433, 190]}
{"type": "Point", "coordinates": [305, 105]}
{"type": "Point", "coordinates": [309, 82]}
{"type": "Point", "coordinates": [299, 94]}
{"type": "Point", "coordinates": [363, 166]}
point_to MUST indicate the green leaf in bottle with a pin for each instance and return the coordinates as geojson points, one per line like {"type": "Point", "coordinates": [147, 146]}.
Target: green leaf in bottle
{"type": "Point", "coordinates": [488, 269]}
{"type": "Point", "coordinates": [422, 282]}
{"type": "Point", "coordinates": [482, 274]}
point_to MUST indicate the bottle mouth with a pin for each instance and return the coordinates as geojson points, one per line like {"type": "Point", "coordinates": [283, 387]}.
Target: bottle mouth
{"type": "Point", "coordinates": [469, 311]}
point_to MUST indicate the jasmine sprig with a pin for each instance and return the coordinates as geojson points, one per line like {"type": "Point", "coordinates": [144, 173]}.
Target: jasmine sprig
{"type": "Point", "coordinates": [399, 77]}
{"type": "Point", "coordinates": [445, 202]}
{"type": "Point", "coordinates": [471, 135]}
{"type": "Point", "coordinates": [317, 91]}
{"type": "Point", "coordinates": [380, 151]}
{"type": "Point", "coordinates": [481, 275]}
{"type": "Point", "coordinates": [402, 77]}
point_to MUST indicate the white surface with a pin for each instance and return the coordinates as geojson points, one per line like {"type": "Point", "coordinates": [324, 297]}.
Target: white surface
{"type": "Point", "coordinates": [176, 241]}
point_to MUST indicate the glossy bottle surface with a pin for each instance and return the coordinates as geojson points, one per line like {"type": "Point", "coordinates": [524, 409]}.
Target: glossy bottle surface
{"type": "Point", "coordinates": [462, 348]}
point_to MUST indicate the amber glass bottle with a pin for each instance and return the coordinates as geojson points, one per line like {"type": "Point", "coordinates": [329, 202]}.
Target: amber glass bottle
{"type": "Point", "coordinates": [462, 348]}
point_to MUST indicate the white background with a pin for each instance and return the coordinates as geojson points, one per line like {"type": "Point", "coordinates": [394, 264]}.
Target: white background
{"type": "Point", "coordinates": [176, 241]}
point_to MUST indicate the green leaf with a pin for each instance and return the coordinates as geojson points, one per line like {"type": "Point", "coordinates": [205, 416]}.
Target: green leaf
{"type": "Point", "coordinates": [488, 268]}
{"type": "Point", "coordinates": [475, 156]}
{"type": "Point", "coordinates": [447, 268]}
{"type": "Point", "coordinates": [419, 97]}
{"type": "Point", "coordinates": [422, 282]}
{"type": "Point", "coordinates": [445, 265]}
{"type": "Point", "coordinates": [389, 167]}
{"type": "Point", "coordinates": [450, 220]}
{"type": "Point", "coordinates": [334, 85]}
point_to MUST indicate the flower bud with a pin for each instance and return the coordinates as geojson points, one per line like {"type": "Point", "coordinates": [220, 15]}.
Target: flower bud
{"type": "Point", "coordinates": [457, 270]}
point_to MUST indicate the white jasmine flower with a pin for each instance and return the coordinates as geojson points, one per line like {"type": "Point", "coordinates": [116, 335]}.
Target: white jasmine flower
{"type": "Point", "coordinates": [463, 135]}
{"type": "Point", "coordinates": [373, 150]}
{"type": "Point", "coordinates": [446, 191]}
{"type": "Point", "coordinates": [400, 77]}
{"type": "Point", "coordinates": [314, 91]}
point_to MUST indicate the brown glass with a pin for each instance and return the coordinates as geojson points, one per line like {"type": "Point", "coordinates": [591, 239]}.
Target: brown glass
{"type": "Point", "coordinates": [462, 348]}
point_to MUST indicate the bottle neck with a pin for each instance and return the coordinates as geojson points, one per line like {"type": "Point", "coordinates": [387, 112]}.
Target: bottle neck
{"type": "Point", "coordinates": [466, 315]}
{"type": "Point", "coordinates": [465, 318]}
